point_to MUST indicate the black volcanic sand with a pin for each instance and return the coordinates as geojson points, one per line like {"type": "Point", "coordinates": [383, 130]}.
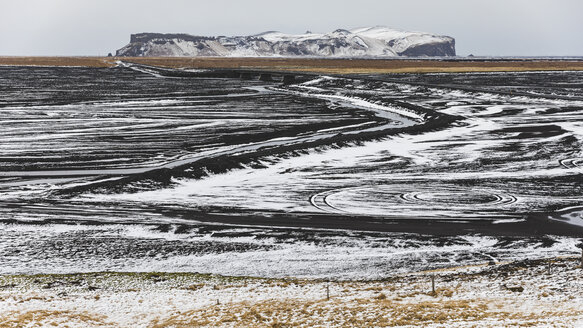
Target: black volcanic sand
{"type": "Point", "coordinates": [83, 118]}
{"type": "Point", "coordinates": [552, 85]}
{"type": "Point", "coordinates": [104, 121]}
{"type": "Point", "coordinates": [117, 127]}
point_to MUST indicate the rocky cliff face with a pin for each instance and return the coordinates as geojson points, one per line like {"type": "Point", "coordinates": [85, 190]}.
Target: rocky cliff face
{"type": "Point", "coordinates": [362, 42]}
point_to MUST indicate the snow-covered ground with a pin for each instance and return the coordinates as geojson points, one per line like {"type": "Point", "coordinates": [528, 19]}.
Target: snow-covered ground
{"type": "Point", "coordinates": [544, 293]}
{"type": "Point", "coordinates": [258, 252]}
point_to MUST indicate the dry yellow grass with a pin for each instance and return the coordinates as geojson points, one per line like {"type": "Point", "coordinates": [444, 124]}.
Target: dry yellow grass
{"type": "Point", "coordinates": [375, 312]}
{"type": "Point", "coordinates": [58, 61]}
{"type": "Point", "coordinates": [357, 66]}
{"type": "Point", "coordinates": [309, 65]}
{"type": "Point", "coordinates": [45, 318]}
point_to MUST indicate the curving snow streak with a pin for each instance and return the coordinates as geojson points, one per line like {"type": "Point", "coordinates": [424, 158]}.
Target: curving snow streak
{"type": "Point", "coordinates": [380, 110]}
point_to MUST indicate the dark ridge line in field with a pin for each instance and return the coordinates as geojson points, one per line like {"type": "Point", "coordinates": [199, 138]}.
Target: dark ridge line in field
{"type": "Point", "coordinates": [221, 73]}
{"type": "Point", "coordinates": [535, 224]}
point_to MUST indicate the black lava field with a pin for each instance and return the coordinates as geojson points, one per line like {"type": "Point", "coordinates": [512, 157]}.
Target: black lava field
{"type": "Point", "coordinates": [348, 177]}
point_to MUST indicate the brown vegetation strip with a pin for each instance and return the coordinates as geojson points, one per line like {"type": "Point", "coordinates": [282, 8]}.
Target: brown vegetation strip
{"type": "Point", "coordinates": [58, 61]}
{"type": "Point", "coordinates": [355, 313]}
{"type": "Point", "coordinates": [315, 65]}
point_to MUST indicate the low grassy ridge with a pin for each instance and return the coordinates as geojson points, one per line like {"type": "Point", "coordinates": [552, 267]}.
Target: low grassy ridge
{"type": "Point", "coordinates": [311, 65]}
{"type": "Point", "coordinates": [530, 293]}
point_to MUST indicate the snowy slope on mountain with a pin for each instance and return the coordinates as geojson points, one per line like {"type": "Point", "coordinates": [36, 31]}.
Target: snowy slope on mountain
{"type": "Point", "coordinates": [361, 42]}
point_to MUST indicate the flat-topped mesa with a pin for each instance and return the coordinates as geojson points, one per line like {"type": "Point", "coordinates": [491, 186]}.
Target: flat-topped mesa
{"type": "Point", "coordinates": [362, 42]}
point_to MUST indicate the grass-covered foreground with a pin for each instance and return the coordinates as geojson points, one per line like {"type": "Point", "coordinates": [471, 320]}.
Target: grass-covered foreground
{"type": "Point", "coordinates": [532, 293]}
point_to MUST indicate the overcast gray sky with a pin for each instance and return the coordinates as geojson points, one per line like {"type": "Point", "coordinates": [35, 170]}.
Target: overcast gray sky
{"type": "Point", "coordinates": [488, 27]}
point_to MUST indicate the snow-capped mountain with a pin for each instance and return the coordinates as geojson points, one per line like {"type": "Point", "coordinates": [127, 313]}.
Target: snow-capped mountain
{"type": "Point", "coordinates": [361, 42]}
